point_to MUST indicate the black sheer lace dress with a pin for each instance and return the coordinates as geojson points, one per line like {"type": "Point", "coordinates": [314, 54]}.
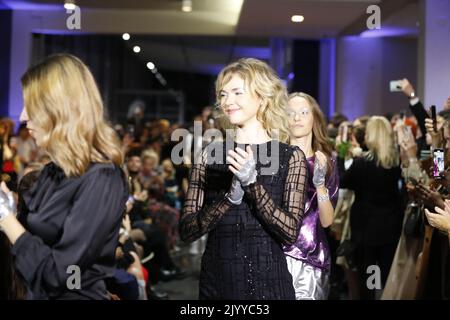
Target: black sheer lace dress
{"type": "Point", "coordinates": [244, 257]}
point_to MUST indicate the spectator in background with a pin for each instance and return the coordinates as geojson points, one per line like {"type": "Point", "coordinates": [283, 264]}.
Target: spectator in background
{"type": "Point", "coordinates": [150, 175]}
{"type": "Point", "coordinates": [377, 213]}
{"type": "Point", "coordinates": [171, 188]}
{"type": "Point", "coordinates": [135, 119]}
{"type": "Point", "coordinates": [142, 215]}
{"type": "Point", "coordinates": [8, 163]}
{"type": "Point", "coordinates": [418, 110]}
{"type": "Point", "coordinates": [334, 124]}
{"type": "Point", "coordinates": [27, 151]}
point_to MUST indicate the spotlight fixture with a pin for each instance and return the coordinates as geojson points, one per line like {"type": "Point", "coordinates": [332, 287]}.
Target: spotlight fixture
{"type": "Point", "coordinates": [297, 18]}
{"type": "Point", "coordinates": [186, 5]}
{"type": "Point", "coordinates": [137, 49]}
{"type": "Point", "coordinates": [126, 36]}
{"type": "Point", "coordinates": [69, 5]}
{"type": "Point", "coordinates": [151, 65]}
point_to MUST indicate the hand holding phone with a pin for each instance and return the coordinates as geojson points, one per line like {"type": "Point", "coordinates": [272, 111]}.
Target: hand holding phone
{"type": "Point", "coordinates": [433, 117]}
{"type": "Point", "coordinates": [438, 164]}
{"type": "Point", "coordinates": [413, 181]}
{"type": "Point", "coordinates": [344, 133]}
{"type": "Point", "coordinates": [395, 86]}
{"type": "Point", "coordinates": [403, 117]}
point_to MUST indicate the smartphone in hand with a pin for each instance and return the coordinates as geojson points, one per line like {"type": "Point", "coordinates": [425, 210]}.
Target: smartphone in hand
{"type": "Point", "coordinates": [413, 181]}
{"type": "Point", "coordinates": [345, 133]}
{"type": "Point", "coordinates": [395, 86]}
{"type": "Point", "coordinates": [433, 117]}
{"type": "Point", "coordinates": [438, 164]}
{"type": "Point", "coordinates": [403, 116]}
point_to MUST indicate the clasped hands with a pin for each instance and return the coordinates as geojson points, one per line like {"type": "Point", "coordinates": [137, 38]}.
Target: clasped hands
{"type": "Point", "coordinates": [243, 166]}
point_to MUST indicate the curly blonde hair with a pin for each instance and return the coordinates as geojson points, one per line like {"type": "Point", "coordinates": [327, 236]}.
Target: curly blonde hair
{"type": "Point", "coordinates": [262, 81]}
{"type": "Point", "coordinates": [62, 98]}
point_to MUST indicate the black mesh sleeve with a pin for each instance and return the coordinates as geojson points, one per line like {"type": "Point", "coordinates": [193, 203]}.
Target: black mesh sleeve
{"type": "Point", "coordinates": [283, 221]}
{"type": "Point", "coordinates": [198, 219]}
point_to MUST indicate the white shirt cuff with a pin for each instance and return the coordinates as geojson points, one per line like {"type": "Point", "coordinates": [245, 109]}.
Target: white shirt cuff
{"type": "Point", "coordinates": [414, 101]}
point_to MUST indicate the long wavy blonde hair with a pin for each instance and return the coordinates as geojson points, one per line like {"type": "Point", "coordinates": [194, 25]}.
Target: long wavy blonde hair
{"type": "Point", "coordinates": [261, 80]}
{"type": "Point", "coordinates": [380, 142]}
{"type": "Point", "coordinates": [62, 98]}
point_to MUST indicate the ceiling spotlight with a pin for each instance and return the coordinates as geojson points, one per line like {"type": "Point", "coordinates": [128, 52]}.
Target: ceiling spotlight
{"type": "Point", "coordinates": [186, 5]}
{"type": "Point", "coordinates": [151, 65]}
{"type": "Point", "coordinates": [137, 49]}
{"type": "Point", "coordinates": [69, 5]}
{"type": "Point", "coordinates": [126, 36]}
{"type": "Point", "coordinates": [297, 18]}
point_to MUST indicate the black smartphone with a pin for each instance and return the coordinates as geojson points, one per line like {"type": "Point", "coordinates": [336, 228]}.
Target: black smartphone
{"type": "Point", "coordinates": [403, 116]}
{"type": "Point", "coordinates": [438, 164]}
{"type": "Point", "coordinates": [413, 181]}
{"type": "Point", "coordinates": [433, 117]}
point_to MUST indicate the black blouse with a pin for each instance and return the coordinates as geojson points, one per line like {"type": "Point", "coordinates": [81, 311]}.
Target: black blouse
{"type": "Point", "coordinates": [71, 222]}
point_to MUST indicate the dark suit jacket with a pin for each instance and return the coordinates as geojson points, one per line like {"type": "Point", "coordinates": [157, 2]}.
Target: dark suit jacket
{"type": "Point", "coordinates": [421, 114]}
{"type": "Point", "coordinates": [377, 214]}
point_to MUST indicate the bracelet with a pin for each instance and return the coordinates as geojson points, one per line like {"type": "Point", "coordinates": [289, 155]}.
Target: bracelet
{"type": "Point", "coordinates": [123, 232]}
{"type": "Point", "coordinates": [324, 197]}
{"type": "Point", "coordinates": [4, 214]}
{"type": "Point", "coordinates": [235, 202]}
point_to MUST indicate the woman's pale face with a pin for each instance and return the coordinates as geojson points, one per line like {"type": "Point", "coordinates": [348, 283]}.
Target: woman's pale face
{"type": "Point", "coordinates": [237, 103]}
{"type": "Point", "coordinates": [34, 131]}
{"type": "Point", "coordinates": [148, 165]}
{"type": "Point", "coordinates": [300, 117]}
{"type": "Point", "coordinates": [167, 166]}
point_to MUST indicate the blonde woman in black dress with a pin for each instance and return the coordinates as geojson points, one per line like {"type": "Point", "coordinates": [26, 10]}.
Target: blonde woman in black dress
{"type": "Point", "coordinates": [249, 207]}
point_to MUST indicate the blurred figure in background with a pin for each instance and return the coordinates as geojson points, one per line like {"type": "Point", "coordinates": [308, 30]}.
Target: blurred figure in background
{"type": "Point", "coordinates": [377, 213]}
